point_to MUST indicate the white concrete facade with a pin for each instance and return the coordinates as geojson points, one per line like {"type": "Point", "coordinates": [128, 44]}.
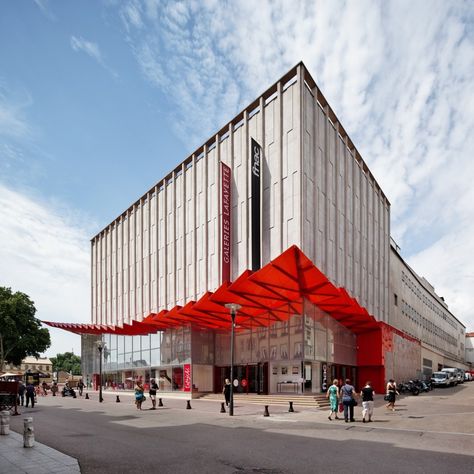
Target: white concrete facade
{"type": "Point", "coordinates": [417, 310]}
{"type": "Point", "coordinates": [317, 193]}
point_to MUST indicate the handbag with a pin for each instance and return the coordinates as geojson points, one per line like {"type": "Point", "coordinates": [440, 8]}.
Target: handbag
{"type": "Point", "coordinates": [386, 398]}
{"type": "Point", "coordinates": [341, 407]}
{"type": "Point", "coordinates": [354, 402]}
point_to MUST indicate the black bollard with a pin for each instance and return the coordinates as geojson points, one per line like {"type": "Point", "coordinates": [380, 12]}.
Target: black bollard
{"type": "Point", "coordinates": [291, 407]}
{"type": "Point", "coordinates": [160, 402]}
{"type": "Point", "coordinates": [188, 404]}
{"type": "Point", "coordinates": [118, 399]}
{"type": "Point", "coordinates": [265, 413]}
{"type": "Point", "coordinates": [87, 396]}
{"type": "Point", "coordinates": [222, 407]}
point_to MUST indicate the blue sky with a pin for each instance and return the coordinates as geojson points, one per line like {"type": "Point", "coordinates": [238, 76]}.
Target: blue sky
{"type": "Point", "coordinates": [100, 99]}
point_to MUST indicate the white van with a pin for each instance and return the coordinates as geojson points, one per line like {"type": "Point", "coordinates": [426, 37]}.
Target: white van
{"type": "Point", "coordinates": [453, 375]}
{"type": "Point", "coordinates": [441, 379]}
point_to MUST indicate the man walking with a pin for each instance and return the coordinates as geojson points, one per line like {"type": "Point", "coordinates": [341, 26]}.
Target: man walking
{"type": "Point", "coordinates": [30, 394]}
{"type": "Point", "coordinates": [21, 393]}
{"type": "Point", "coordinates": [153, 389]}
{"type": "Point", "coordinates": [367, 402]}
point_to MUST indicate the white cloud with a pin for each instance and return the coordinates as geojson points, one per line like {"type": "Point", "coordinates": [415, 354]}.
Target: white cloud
{"type": "Point", "coordinates": [92, 50]}
{"type": "Point", "coordinates": [43, 5]}
{"type": "Point", "coordinates": [13, 123]}
{"type": "Point", "coordinates": [398, 75]}
{"type": "Point", "coordinates": [45, 255]}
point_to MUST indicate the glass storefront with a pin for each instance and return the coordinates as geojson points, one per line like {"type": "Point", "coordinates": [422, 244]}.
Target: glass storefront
{"type": "Point", "coordinates": [269, 358]}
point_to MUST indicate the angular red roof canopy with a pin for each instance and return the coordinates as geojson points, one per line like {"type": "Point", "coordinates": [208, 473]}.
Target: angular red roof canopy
{"type": "Point", "coordinates": [273, 293]}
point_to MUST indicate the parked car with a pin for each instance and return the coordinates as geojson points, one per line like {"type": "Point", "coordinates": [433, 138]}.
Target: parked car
{"type": "Point", "coordinates": [467, 377]}
{"type": "Point", "coordinates": [453, 375]}
{"type": "Point", "coordinates": [441, 379]}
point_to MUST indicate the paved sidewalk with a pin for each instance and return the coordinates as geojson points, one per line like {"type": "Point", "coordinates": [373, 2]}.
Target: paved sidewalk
{"type": "Point", "coordinates": [40, 459]}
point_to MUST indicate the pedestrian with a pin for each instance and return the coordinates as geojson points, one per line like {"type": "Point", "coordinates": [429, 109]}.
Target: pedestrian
{"type": "Point", "coordinates": [30, 394]}
{"type": "Point", "coordinates": [54, 388]}
{"type": "Point", "coordinates": [348, 392]}
{"type": "Point", "coordinates": [333, 395]}
{"type": "Point", "coordinates": [44, 387]}
{"type": "Point", "coordinates": [152, 392]}
{"type": "Point", "coordinates": [367, 394]}
{"type": "Point", "coordinates": [139, 395]}
{"type": "Point", "coordinates": [21, 393]}
{"type": "Point", "coordinates": [80, 386]}
{"type": "Point", "coordinates": [392, 393]}
{"type": "Point", "coordinates": [226, 392]}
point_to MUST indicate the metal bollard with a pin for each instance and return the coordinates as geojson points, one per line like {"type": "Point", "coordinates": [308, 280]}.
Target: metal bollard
{"type": "Point", "coordinates": [28, 433]}
{"type": "Point", "coordinates": [87, 396]}
{"type": "Point", "coordinates": [4, 422]}
{"type": "Point", "coordinates": [222, 407]}
{"type": "Point", "coordinates": [160, 402]}
{"type": "Point", "coordinates": [291, 407]}
{"type": "Point", "coordinates": [265, 413]}
{"type": "Point", "coordinates": [188, 404]}
{"type": "Point", "coordinates": [118, 399]}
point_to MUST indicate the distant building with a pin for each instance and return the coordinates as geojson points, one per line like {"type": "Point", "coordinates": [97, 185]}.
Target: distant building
{"type": "Point", "coordinates": [41, 365]}
{"type": "Point", "coordinates": [470, 349]}
{"type": "Point", "coordinates": [418, 311]}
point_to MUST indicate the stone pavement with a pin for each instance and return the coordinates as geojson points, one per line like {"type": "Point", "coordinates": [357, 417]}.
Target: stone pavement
{"type": "Point", "coordinates": [40, 459]}
{"type": "Point", "coordinates": [442, 421]}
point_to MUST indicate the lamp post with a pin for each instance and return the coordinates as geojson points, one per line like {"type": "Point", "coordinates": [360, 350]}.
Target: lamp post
{"type": "Point", "coordinates": [100, 346]}
{"type": "Point", "coordinates": [233, 308]}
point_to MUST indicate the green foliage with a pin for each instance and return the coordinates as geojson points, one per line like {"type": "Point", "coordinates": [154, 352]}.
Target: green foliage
{"type": "Point", "coordinates": [69, 362]}
{"type": "Point", "coordinates": [21, 333]}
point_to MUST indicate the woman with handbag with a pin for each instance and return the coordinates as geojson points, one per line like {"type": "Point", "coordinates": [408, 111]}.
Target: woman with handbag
{"type": "Point", "coordinates": [392, 393]}
{"type": "Point", "coordinates": [333, 395]}
{"type": "Point", "coordinates": [348, 392]}
{"type": "Point", "coordinates": [139, 395]}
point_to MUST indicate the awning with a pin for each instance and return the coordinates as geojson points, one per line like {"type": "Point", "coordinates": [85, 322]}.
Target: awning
{"type": "Point", "coordinates": [274, 293]}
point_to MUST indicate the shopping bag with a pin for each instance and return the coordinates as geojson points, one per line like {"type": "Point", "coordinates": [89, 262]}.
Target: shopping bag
{"type": "Point", "coordinates": [341, 407]}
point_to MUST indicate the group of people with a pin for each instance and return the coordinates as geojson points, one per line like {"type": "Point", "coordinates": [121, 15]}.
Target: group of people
{"type": "Point", "coordinates": [140, 394]}
{"type": "Point", "coordinates": [344, 397]}
{"type": "Point", "coordinates": [27, 393]}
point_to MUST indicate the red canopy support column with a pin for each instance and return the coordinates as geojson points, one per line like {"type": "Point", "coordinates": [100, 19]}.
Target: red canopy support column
{"type": "Point", "coordinates": [370, 361]}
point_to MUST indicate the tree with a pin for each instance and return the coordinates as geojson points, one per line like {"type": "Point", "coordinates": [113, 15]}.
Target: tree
{"type": "Point", "coordinates": [21, 333]}
{"type": "Point", "coordinates": [68, 362]}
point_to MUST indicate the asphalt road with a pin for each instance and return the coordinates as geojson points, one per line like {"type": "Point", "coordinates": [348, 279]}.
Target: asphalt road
{"type": "Point", "coordinates": [116, 438]}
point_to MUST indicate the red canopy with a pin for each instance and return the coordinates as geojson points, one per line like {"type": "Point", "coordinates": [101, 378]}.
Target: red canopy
{"type": "Point", "coordinates": [273, 293]}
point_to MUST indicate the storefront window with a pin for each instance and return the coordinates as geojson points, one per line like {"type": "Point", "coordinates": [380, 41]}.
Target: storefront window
{"type": "Point", "coordinates": [177, 381]}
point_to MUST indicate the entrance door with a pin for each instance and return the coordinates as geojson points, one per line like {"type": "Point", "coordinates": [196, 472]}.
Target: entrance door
{"type": "Point", "coordinates": [252, 378]}
{"type": "Point", "coordinates": [343, 372]}
{"type": "Point", "coordinates": [308, 377]}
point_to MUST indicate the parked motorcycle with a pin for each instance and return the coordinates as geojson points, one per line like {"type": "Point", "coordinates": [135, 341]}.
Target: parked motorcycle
{"type": "Point", "coordinates": [409, 387]}
{"type": "Point", "coordinates": [68, 392]}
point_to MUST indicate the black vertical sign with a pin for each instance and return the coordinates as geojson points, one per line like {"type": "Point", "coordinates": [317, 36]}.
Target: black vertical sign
{"type": "Point", "coordinates": [255, 173]}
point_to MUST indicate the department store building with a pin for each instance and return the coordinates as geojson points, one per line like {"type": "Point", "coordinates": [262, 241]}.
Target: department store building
{"type": "Point", "coordinates": [279, 213]}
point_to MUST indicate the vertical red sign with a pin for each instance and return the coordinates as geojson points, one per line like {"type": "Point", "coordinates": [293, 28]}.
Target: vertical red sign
{"type": "Point", "coordinates": [187, 380]}
{"type": "Point", "coordinates": [226, 207]}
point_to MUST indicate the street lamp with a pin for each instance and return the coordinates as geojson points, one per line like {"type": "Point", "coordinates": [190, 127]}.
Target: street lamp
{"type": "Point", "coordinates": [233, 307]}
{"type": "Point", "coordinates": [100, 346]}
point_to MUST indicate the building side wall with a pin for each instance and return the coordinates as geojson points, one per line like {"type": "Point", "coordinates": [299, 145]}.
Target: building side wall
{"type": "Point", "coordinates": [165, 250]}
{"type": "Point", "coordinates": [346, 217]}
{"type": "Point", "coordinates": [470, 349]}
{"type": "Point", "coordinates": [416, 310]}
